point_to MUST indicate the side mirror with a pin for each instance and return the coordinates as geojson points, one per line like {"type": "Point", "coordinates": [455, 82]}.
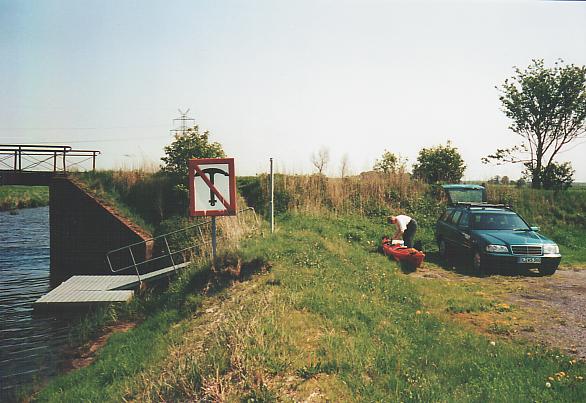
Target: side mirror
{"type": "Point", "coordinates": [535, 229]}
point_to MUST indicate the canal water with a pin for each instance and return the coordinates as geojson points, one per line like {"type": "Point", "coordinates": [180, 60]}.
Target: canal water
{"type": "Point", "coordinates": [30, 343]}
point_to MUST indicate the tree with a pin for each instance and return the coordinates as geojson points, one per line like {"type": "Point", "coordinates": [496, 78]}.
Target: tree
{"type": "Point", "coordinates": [439, 164]}
{"type": "Point", "coordinates": [495, 180]}
{"type": "Point", "coordinates": [520, 183]}
{"type": "Point", "coordinates": [389, 163]}
{"type": "Point", "coordinates": [557, 176]}
{"type": "Point", "coordinates": [321, 159]}
{"type": "Point", "coordinates": [345, 166]}
{"type": "Point", "coordinates": [189, 144]}
{"type": "Point", "coordinates": [547, 107]}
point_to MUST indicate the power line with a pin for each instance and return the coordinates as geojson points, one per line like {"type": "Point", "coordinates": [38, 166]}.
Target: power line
{"type": "Point", "coordinates": [120, 140]}
{"type": "Point", "coordinates": [81, 128]}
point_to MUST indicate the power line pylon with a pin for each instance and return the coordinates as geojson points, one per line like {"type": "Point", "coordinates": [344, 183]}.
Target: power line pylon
{"type": "Point", "coordinates": [182, 123]}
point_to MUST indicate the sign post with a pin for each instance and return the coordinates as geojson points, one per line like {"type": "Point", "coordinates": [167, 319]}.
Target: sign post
{"type": "Point", "coordinates": [213, 241]}
{"type": "Point", "coordinates": [212, 191]}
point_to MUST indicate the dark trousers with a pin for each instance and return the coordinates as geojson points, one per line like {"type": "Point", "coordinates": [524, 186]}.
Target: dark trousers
{"type": "Point", "coordinates": [409, 233]}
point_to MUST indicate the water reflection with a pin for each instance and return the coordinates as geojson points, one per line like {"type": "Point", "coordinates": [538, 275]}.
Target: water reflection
{"type": "Point", "coordinates": [30, 343]}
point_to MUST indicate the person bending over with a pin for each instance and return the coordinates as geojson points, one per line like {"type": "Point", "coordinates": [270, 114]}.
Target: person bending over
{"type": "Point", "coordinates": [406, 227]}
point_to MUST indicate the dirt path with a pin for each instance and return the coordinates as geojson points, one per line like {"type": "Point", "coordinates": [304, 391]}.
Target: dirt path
{"type": "Point", "coordinates": [548, 310]}
{"type": "Point", "coordinates": [558, 304]}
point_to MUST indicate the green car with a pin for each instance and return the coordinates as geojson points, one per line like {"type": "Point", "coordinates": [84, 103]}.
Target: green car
{"type": "Point", "coordinates": [491, 235]}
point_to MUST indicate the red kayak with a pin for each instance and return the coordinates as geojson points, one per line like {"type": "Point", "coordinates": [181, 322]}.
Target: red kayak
{"type": "Point", "coordinates": [402, 254]}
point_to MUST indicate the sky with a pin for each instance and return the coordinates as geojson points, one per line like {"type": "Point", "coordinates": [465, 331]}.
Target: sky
{"type": "Point", "coordinates": [278, 79]}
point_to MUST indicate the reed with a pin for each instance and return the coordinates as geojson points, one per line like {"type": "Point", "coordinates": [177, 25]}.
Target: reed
{"type": "Point", "coordinates": [369, 194]}
{"type": "Point", "coordinates": [17, 197]}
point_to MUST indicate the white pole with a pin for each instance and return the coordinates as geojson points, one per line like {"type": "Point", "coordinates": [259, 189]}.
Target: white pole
{"type": "Point", "coordinates": [272, 202]}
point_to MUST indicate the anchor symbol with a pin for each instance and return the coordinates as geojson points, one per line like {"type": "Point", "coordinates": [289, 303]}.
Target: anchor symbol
{"type": "Point", "coordinates": [212, 172]}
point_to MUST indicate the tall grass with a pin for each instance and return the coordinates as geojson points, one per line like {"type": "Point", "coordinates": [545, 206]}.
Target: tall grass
{"type": "Point", "coordinates": [561, 215]}
{"type": "Point", "coordinates": [158, 202]}
{"type": "Point", "coordinates": [369, 194]}
{"type": "Point", "coordinates": [145, 197]}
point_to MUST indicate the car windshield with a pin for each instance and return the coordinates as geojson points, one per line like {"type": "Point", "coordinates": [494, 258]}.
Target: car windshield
{"type": "Point", "coordinates": [498, 221]}
{"type": "Point", "coordinates": [464, 195]}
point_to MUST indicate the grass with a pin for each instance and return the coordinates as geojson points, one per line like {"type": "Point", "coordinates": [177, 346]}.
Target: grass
{"type": "Point", "coordinates": [333, 320]}
{"type": "Point", "coordinates": [561, 215]}
{"type": "Point", "coordinates": [17, 197]}
{"type": "Point", "coordinates": [147, 198]}
{"type": "Point", "coordinates": [154, 201]}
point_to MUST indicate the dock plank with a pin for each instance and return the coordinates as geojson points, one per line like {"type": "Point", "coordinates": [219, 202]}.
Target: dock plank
{"type": "Point", "coordinates": [101, 288]}
{"type": "Point", "coordinates": [69, 296]}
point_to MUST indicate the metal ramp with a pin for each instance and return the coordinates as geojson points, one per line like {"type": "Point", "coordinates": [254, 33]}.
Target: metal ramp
{"type": "Point", "coordinates": [82, 290]}
{"type": "Point", "coordinates": [177, 248]}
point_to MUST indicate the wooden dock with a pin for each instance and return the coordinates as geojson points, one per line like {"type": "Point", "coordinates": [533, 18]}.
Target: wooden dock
{"type": "Point", "coordinates": [85, 290]}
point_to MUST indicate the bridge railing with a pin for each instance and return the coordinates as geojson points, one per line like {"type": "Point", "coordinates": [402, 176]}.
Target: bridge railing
{"type": "Point", "coordinates": [181, 246]}
{"type": "Point", "coordinates": [34, 158]}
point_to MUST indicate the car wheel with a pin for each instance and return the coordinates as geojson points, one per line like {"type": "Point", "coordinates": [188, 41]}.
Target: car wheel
{"type": "Point", "coordinates": [478, 262]}
{"type": "Point", "coordinates": [547, 271]}
{"type": "Point", "coordinates": [443, 249]}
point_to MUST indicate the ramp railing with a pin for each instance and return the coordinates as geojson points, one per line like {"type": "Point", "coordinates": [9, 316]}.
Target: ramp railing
{"type": "Point", "coordinates": [181, 246]}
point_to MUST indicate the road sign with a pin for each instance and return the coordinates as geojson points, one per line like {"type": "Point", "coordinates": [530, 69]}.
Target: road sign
{"type": "Point", "coordinates": [212, 187]}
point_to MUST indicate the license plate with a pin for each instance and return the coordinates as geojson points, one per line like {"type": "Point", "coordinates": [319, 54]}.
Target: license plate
{"type": "Point", "coordinates": [529, 260]}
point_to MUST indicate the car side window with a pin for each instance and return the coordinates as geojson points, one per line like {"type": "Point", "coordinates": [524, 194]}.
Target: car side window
{"type": "Point", "coordinates": [456, 217]}
{"type": "Point", "coordinates": [475, 220]}
{"type": "Point", "coordinates": [464, 220]}
{"type": "Point", "coordinates": [446, 215]}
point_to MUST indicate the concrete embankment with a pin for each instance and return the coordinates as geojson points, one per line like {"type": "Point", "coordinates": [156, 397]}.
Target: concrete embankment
{"type": "Point", "coordinates": [84, 229]}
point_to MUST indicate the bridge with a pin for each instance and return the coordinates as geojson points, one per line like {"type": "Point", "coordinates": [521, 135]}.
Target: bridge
{"type": "Point", "coordinates": [37, 164]}
{"type": "Point", "coordinates": [82, 228]}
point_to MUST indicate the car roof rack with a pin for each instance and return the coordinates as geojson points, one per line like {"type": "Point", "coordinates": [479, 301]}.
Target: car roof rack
{"type": "Point", "coordinates": [483, 205]}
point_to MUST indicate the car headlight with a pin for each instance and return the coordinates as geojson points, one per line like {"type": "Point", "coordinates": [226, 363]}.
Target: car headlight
{"type": "Point", "coordinates": [497, 248]}
{"type": "Point", "coordinates": [551, 249]}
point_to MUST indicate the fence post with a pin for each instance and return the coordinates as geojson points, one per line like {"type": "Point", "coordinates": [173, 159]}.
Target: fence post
{"type": "Point", "coordinates": [170, 254]}
{"type": "Point", "coordinates": [134, 262]}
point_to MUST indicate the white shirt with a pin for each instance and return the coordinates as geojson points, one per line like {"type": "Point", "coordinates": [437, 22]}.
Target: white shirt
{"type": "Point", "coordinates": [403, 220]}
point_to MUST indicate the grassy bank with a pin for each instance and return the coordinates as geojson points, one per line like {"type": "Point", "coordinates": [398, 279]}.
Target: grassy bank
{"type": "Point", "coordinates": [333, 320]}
{"type": "Point", "coordinates": [147, 198]}
{"type": "Point", "coordinates": [156, 202]}
{"type": "Point", "coordinates": [561, 215]}
{"type": "Point", "coordinates": [17, 197]}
